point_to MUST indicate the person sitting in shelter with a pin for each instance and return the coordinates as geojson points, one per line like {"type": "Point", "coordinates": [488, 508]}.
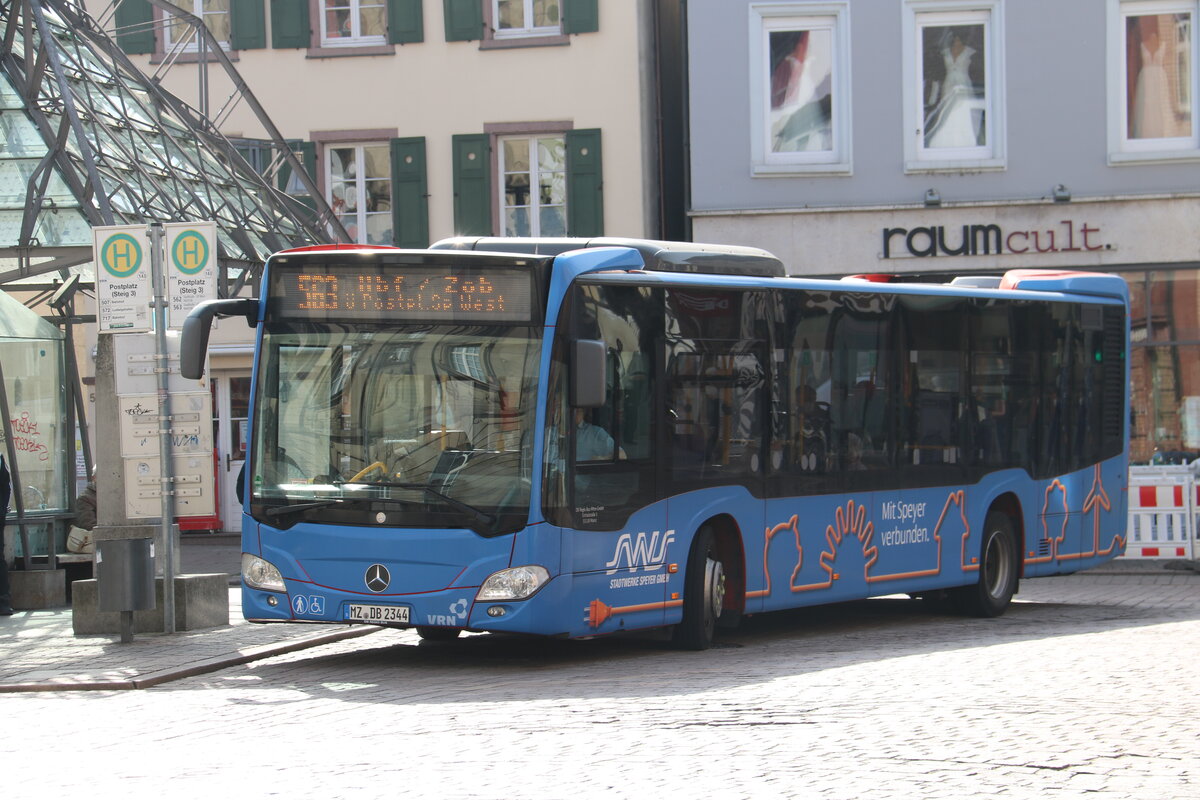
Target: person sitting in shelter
{"type": "Point", "coordinates": [79, 537]}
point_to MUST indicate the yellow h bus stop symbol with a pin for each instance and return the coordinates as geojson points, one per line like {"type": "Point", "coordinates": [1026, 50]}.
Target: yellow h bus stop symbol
{"type": "Point", "coordinates": [190, 252]}
{"type": "Point", "coordinates": [121, 255]}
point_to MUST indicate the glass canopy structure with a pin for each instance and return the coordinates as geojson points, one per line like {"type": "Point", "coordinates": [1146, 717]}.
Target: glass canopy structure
{"type": "Point", "coordinates": [86, 139]}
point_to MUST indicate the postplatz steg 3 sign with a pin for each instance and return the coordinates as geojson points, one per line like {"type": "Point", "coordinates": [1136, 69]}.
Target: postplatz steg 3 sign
{"type": "Point", "coordinates": [124, 282]}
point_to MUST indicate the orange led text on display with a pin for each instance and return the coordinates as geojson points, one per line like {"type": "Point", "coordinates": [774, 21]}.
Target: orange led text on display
{"type": "Point", "coordinates": [438, 294]}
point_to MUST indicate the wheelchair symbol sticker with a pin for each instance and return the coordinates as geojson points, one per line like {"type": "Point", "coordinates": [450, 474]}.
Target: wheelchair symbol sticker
{"type": "Point", "coordinates": [310, 604]}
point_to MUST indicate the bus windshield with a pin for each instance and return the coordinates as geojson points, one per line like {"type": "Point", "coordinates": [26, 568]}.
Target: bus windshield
{"type": "Point", "coordinates": [410, 426]}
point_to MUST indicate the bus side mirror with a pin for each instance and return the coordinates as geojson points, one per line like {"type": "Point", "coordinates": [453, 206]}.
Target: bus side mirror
{"type": "Point", "coordinates": [589, 379]}
{"type": "Point", "coordinates": [193, 343]}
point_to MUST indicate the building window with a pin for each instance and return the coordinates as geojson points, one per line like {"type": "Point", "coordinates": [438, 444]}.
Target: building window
{"type": "Point", "coordinates": [800, 78]}
{"type": "Point", "coordinates": [533, 185]}
{"type": "Point", "coordinates": [953, 77]}
{"type": "Point", "coordinates": [353, 23]}
{"type": "Point", "coordinates": [359, 190]}
{"type": "Point", "coordinates": [1151, 80]}
{"type": "Point", "coordinates": [515, 18]}
{"type": "Point", "coordinates": [179, 34]}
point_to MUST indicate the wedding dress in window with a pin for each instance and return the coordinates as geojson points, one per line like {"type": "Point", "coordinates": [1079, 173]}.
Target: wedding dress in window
{"type": "Point", "coordinates": [951, 123]}
{"type": "Point", "coordinates": [1151, 98]}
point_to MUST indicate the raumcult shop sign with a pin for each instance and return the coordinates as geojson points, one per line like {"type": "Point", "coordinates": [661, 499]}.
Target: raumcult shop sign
{"type": "Point", "coordinates": [1080, 234]}
{"type": "Point", "coordinates": [989, 238]}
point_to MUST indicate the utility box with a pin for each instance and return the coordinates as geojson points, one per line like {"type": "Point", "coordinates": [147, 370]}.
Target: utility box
{"type": "Point", "coordinates": [125, 574]}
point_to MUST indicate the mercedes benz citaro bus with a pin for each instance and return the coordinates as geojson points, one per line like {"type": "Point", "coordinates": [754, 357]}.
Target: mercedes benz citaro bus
{"type": "Point", "coordinates": [577, 437]}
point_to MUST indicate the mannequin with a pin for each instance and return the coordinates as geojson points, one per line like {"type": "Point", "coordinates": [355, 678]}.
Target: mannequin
{"type": "Point", "coordinates": [1151, 94]}
{"type": "Point", "coordinates": [950, 123]}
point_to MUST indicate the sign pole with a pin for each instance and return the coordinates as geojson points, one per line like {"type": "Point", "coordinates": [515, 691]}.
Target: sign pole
{"type": "Point", "coordinates": [161, 363]}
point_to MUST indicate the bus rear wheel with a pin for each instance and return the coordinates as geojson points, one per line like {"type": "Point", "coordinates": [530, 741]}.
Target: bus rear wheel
{"type": "Point", "coordinates": [703, 594]}
{"type": "Point", "coordinates": [428, 633]}
{"type": "Point", "coordinates": [997, 583]}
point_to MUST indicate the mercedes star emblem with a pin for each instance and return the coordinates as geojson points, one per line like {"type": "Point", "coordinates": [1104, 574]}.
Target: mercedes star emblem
{"type": "Point", "coordinates": [377, 577]}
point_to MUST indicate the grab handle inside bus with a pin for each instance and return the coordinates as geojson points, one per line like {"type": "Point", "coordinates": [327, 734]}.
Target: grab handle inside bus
{"type": "Point", "coordinates": [193, 344]}
{"type": "Point", "coordinates": [589, 360]}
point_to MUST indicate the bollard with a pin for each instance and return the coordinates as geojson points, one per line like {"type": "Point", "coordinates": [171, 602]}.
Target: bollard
{"type": "Point", "coordinates": [125, 579]}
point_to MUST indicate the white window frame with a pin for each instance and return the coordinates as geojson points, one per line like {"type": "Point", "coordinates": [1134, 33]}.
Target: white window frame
{"type": "Point", "coordinates": [195, 8]}
{"type": "Point", "coordinates": [1121, 148]}
{"type": "Point", "coordinates": [535, 204]}
{"type": "Point", "coordinates": [528, 30]}
{"type": "Point", "coordinates": [917, 15]}
{"type": "Point", "coordinates": [764, 19]}
{"type": "Point", "coordinates": [356, 37]}
{"type": "Point", "coordinates": [362, 197]}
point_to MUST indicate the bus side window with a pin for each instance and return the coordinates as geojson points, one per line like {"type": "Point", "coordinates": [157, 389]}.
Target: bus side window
{"type": "Point", "coordinates": [936, 412]}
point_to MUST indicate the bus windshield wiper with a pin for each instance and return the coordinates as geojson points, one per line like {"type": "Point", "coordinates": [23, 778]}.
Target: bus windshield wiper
{"type": "Point", "coordinates": [477, 514]}
{"type": "Point", "coordinates": [279, 511]}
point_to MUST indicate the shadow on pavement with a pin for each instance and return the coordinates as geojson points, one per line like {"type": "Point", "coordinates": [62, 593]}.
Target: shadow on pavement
{"type": "Point", "coordinates": [394, 666]}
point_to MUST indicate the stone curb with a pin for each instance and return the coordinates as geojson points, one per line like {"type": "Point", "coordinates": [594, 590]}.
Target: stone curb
{"type": "Point", "coordinates": [159, 677]}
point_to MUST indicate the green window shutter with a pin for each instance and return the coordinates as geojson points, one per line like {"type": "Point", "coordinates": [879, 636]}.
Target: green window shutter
{"type": "Point", "coordinates": [289, 24]}
{"type": "Point", "coordinates": [464, 20]}
{"type": "Point", "coordinates": [251, 151]}
{"type": "Point", "coordinates": [585, 184]}
{"type": "Point", "coordinates": [308, 156]}
{"type": "Point", "coordinates": [247, 24]}
{"type": "Point", "coordinates": [410, 193]}
{"type": "Point", "coordinates": [135, 13]}
{"type": "Point", "coordinates": [406, 23]}
{"type": "Point", "coordinates": [581, 16]}
{"type": "Point", "coordinates": [472, 185]}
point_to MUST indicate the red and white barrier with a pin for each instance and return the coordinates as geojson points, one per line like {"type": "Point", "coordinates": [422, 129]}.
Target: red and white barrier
{"type": "Point", "coordinates": [1163, 508]}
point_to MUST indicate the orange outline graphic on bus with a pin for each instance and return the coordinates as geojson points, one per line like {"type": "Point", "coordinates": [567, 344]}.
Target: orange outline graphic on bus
{"type": "Point", "coordinates": [793, 525]}
{"type": "Point", "coordinates": [852, 520]}
{"type": "Point", "coordinates": [1096, 501]}
{"type": "Point", "coordinates": [599, 612]}
{"type": "Point", "coordinates": [1056, 484]}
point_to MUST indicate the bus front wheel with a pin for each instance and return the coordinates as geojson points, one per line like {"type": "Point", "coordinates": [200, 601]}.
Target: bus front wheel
{"type": "Point", "coordinates": [997, 583]}
{"type": "Point", "coordinates": [703, 594]}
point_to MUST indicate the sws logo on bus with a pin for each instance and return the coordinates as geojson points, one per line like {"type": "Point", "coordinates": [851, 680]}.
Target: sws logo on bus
{"type": "Point", "coordinates": [647, 552]}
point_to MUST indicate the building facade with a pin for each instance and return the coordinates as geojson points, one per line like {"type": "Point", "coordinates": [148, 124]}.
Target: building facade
{"type": "Point", "coordinates": [966, 136]}
{"type": "Point", "coordinates": [423, 119]}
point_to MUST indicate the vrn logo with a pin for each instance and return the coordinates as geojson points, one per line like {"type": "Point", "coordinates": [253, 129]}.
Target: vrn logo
{"type": "Point", "coordinates": [648, 551]}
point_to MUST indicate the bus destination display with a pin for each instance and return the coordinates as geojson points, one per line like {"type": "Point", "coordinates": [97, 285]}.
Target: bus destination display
{"type": "Point", "coordinates": [428, 293]}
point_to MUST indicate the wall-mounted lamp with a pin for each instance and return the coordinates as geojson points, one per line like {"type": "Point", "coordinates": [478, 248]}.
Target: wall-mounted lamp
{"type": "Point", "coordinates": [1061, 194]}
{"type": "Point", "coordinates": [932, 198]}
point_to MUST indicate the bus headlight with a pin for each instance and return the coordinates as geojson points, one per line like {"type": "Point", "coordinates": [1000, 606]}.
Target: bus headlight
{"type": "Point", "coordinates": [515, 583]}
{"type": "Point", "coordinates": [260, 574]}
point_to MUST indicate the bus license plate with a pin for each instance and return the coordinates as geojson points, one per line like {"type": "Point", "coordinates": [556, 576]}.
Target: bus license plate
{"type": "Point", "coordinates": [356, 613]}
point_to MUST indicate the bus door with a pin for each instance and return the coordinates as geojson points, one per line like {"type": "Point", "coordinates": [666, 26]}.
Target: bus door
{"type": "Point", "coordinates": [601, 463]}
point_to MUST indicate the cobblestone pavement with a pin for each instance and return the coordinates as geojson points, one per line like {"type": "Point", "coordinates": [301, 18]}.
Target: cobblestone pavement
{"type": "Point", "coordinates": [1087, 688]}
{"type": "Point", "coordinates": [38, 648]}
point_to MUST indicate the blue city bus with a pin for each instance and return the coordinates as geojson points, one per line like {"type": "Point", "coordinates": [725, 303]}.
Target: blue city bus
{"type": "Point", "coordinates": [577, 438]}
